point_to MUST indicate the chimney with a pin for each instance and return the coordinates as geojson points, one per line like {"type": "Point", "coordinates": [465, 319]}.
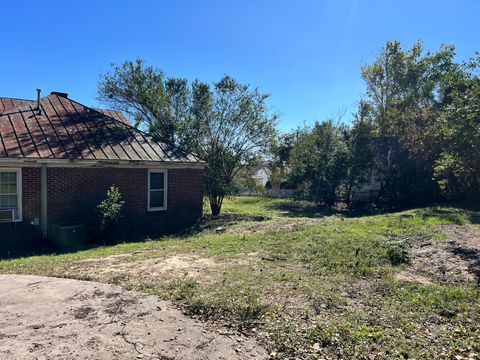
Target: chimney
{"type": "Point", "coordinates": [61, 94]}
{"type": "Point", "coordinates": [38, 101]}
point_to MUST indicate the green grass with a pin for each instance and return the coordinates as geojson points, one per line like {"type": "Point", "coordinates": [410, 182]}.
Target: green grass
{"type": "Point", "coordinates": [323, 288]}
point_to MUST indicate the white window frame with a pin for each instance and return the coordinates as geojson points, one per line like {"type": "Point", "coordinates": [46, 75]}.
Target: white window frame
{"type": "Point", "coordinates": [165, 189]}
{"type": "Point", "coordinates": [18, 171]}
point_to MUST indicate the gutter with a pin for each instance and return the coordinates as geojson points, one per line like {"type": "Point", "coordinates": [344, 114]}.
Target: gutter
{"type": "Point", "coordinates": [103, 163]}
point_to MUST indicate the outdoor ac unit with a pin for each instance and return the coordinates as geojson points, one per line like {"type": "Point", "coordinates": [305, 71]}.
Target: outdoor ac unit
{"type": "Point", "coordinates": [69, 235]}
{"type": "Point", "coordinates": [7, 215]}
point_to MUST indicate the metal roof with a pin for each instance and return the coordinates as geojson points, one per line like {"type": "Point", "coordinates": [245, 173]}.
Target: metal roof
{"type": "Point", "coordinates": [10, 103]}
{"type": "Point", "coordinates": [65, 129]}
{"type": "Point", "coordinates": [117, 115]}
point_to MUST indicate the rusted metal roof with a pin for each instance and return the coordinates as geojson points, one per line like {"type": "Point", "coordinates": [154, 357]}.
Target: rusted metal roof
{"type": "Point", "coordinates": [65, 129]}
{"type": "Point", "coordinates": [10, 103]}
{"type": "Point", "coordinates": [117, 115]}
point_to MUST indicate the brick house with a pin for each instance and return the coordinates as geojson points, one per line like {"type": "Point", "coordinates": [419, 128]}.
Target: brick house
{"type": "Point", "coordinates": [59, 157]}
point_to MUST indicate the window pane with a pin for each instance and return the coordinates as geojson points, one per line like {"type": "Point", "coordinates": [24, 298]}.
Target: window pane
{"type": "Point", "coordinates": [157, 181]}
{"type": "Point", "coordinates": [156, 199]}
{"type": "Point", "coordinates": [8, 188]}
{"type": "Point", "coordinates": [8, 177]}
{"type": "Point", "coordinates": [8, 183]}
{"type": "Point", "coordinates": [8, 201]}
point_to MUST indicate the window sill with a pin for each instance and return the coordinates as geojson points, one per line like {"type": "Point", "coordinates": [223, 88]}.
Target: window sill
{"type": "Point", "coordinates": [156, 209]}
{"type": "Point", "coordinates": [11, 221]}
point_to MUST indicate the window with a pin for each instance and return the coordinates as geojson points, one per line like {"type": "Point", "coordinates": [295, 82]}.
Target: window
{"type": "Point", "coordinates": [157, 190]}
{"type": "Point", "coordinates": [10, 195]}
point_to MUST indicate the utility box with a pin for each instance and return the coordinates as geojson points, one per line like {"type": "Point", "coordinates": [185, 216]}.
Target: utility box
{"type": "Point", "coordinates": [69, 235]}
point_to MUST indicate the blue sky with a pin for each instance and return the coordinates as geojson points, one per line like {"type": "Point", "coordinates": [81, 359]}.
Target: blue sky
{"type": "Point", "coordinates": [305, 53]}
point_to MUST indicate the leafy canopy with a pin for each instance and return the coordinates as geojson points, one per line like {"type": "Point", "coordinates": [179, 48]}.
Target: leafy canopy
{"type": "Point", "coordinates": [228, 124]}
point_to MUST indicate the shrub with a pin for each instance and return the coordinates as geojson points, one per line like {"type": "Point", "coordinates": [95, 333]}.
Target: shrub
{"type": "Point", "coordinates": [397, 251]}
{"type": "Point", "coordinates": [110, 210]}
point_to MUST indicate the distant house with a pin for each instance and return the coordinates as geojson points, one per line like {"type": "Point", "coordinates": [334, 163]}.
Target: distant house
{"type": "Point", "coordinates": [59, 157]}
{"type": "Point", "coordinates": [369, 191]}
{"type": "Point", "coordinates": [261, 175]}
{"type": "Point", "coordinates": [389, 151]}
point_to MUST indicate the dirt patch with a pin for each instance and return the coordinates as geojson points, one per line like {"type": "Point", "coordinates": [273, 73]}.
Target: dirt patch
{"type": "Point", "coordinates": [455, 260]}
{"type": "Point", "coordinates": [151, 266]}
{"type": "Point", "coordinates": [187, 265]}
{"type": "Point", "coordinates": [48, 318]}
{"type": "Point", "coordinates": [175, 266]}
{"type": "Point", "coordinates": [412, 277]}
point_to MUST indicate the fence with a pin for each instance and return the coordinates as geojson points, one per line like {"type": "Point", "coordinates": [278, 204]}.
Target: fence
{"type": "Point", "coordinates": [357, 196]}
{"type": "Point", "coordinates": [365, 195]}
{"type": "Point", "coordinates": [277, 193]}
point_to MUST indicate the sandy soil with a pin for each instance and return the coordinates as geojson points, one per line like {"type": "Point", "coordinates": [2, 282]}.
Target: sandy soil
{"type": "Point", "coordinates": [176, 265]}
{"type": "Point", "coordinates": [455, 260]}
{"type": "Point", "coordinates": [49, 318]}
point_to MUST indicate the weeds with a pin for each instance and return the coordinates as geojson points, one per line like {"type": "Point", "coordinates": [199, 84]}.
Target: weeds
{"type": "Point", "coordinates": [398, 251]}
{"type": "Point", "coordinates": [324, 289]}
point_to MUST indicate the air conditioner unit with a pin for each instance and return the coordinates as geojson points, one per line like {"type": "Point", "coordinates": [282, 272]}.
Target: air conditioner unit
{"type": "Point", "coordinates": [7, 215]}
{"type": "Point", "coordinates": [69, 235]}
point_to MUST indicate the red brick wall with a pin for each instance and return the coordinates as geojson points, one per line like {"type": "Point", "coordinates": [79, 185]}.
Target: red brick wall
{"type": "Point", "coordinates": [73, 194]}
{"type": "Point", "coordinates": [31, 193]}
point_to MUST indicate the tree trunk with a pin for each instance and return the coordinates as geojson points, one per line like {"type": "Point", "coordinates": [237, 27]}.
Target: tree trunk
{"type": "Point", "coordinates": [331, 197]}
{"type": "Point", "coordinates": [349, 194]}
{"type": "Point", "coordinates": [216, 205]}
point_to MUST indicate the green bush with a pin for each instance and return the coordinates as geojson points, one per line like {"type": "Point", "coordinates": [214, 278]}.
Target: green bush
{"type": "Point", "coordinates": [397, 251]}
{"type": "Point", "coordinates": [110, 210]}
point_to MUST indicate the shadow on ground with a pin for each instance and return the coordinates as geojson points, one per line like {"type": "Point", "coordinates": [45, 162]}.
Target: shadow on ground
{"type": "Point", "coordinates": [472, 256]}
{"type": "Point", "coordinates": [12, 249]}
{"type": "Point", "coordinates": [467, 214]}
{"type": "Point", "coordinates": [312, 210]}
{"type": "Point", "coordinates": [46, 247]}
{"type": "Point", "coordinates": [455, 213]}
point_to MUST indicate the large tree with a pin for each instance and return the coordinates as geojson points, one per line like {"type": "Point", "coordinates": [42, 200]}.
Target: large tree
{"type": "Point", "coordinates": [458, 167]}
{"type": "Point", "coordinates": [228, 124]}
{"type": "Point", "coordinates": [156, 103]}
{"type": "Point", "coordinates": [235, 127]}
{"type": "Point", "coordinates": [279, 155]}
{"type": "Point", "coordinates": [361, 150]}
{"type": "Point", "coordinates": [403, 89]}
{"type": "Point", "coordinates": [319, 161]}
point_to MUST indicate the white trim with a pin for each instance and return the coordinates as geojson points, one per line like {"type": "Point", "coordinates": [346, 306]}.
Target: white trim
{"type": "Point", "coordinates": [165, 189]}
{"type": "Point", "coordinates": [18, 171]}
{"type": "Point", "coordinates": [101, 163]}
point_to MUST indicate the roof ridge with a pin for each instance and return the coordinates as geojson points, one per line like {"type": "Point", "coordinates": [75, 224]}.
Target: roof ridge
{"type": "Point", "coordinates": [21, 102]}
{"type": "Point", "coordinates": [13, 98]}
{"type": "Point", "coordinates": [108, 109]}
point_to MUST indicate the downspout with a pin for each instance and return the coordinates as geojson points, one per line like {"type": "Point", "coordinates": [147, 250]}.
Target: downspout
{"type": "Point", "coordinates": [43, 202]}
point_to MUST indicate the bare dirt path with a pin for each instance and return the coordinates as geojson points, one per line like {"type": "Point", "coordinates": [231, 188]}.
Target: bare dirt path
{"type": "Point", "coordinates": [454, 260]}
{"type": "Point", "coordinates": [50, 318]}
